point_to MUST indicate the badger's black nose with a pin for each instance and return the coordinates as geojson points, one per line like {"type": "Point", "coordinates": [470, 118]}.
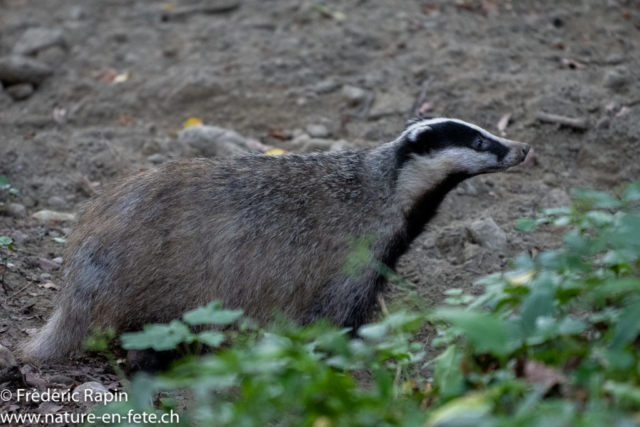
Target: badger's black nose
{"type": "Point", "coordinates": [525, 149]}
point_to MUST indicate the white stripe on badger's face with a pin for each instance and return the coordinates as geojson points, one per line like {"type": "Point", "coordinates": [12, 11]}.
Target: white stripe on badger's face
{"type": "Point", "coordinates": [414, 130]}
{"type": "Point", "coordinates": [423, 173]}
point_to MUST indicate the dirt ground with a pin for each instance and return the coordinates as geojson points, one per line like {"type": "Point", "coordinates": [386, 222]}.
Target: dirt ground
{"type": "Point", "coordinates": [129, 73]}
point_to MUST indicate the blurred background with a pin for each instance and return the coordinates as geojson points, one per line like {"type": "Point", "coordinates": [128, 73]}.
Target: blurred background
{"type": "Point", "coordinates": [93, 90]}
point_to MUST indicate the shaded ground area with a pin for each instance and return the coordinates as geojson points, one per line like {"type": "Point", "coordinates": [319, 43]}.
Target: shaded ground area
{"type": "Point", "coordinates": [122, 76]}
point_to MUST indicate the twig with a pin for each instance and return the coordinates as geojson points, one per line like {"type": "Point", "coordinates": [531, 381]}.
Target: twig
{"type": "Point", "coordinates": [19, 290]}
{"type": "Point", "coordinates": [577, 123]}
{"type": "Point", "coordinates": [180, 12]}
{"type": "Point", "coordinates": [396, 381]}
{"type": "Point", "coordinates": [383, 305]}
{"type": "Point", "coordinates": [421, 97]}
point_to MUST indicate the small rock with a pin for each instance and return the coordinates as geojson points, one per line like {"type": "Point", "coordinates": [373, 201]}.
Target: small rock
{"type": "Point", "coordinates": [326, 86]}
{"type": "Point", "coordinates": [313, 144]}
{"type": "Point", "coordinates": [556, 198]}
{"type": "Point", "coordinates": [318, 131]}
{"type": "Point", "coordinates": [354, 95]}
{"type": "Point", "coordinates": [61, 379]}
{"type": "Point", "coordinates": [6, 358]}
{"type": "Point", "coordinates": [36, 39]}
{"type": "Point", "coordinates": [20, 91]}
{"type": "Point", "coordinates": [45, 277]}
{"type": "Point", "coordinates": [47, 215]}
{"type": "Point", "coordinates": [488, 234]}
{"type": "Point", "coordinates": [604, 123]}
{"type": "Point", "coordinates": [214, 141]}
{"type": "Point", "coordinates": [614, 59]}
{"type": "Point", "coordinates": [617, 78]}
{"type": "Point", "coordinates": [58, 260]}
{"type": "Point", "coordinates": [76, 12]}
{"type": "Point", "coordinates": [15, 210]}
{"type": "Point", "coordinates": [54, 56]}
{"type": "Point", "coordinates": [48, 265]}
{"type": "Point", "coordinates": [56, 202]}
{"type": "Point", "coordinates": [20, 238]}
{"type": "Point", "coordinates": [152, 146]}
{"type": "Point", "coordinates": [157, 158]}
{"type": "Point", "coordinates": [17, 69]}
{"type": "Point", "coordinates": [339, 145]}
{"type": "Point", "coordinates": [91, 392]}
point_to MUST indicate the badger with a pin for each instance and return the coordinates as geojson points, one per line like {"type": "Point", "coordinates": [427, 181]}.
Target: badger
{"type": "Point", "coordinates": [260, 233]}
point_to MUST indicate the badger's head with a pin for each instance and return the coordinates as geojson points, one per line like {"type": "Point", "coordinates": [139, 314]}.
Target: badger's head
{"type": "Point", "coordinates": [435, 154]}
{"type": "Point", "coordinates": [460, 147]}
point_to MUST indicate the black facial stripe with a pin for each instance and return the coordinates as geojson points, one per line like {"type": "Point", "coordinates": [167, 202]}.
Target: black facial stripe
{"type": "Point", "coordinates": [497, 148]}
{"type": "Point", "coordinates": [445, 135]}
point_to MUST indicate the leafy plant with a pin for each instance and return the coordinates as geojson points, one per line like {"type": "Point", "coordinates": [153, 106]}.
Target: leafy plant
{"type": "Point", "coordinates": [552, 341]}
{"type": "Point", "coordinates": [5, 187]}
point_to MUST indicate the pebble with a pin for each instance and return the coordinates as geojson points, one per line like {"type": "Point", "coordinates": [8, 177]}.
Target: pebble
{"type": "Point", "coordinates": [20, 237]}
{"type": "Point", "coordinates": [17, 69]}
{"type": "Point", "coordinates": [6, 358]}
{"type": "Point", "coordinates": [214, 141]}
{"type": "Point", "coordinates": [603, 123]}
{"type": "Point", "coordinates": [20, 91]}
{"type": "Point", "coordinates": [318, 131]}
{"type": "Point", "coordinates": [617, 78]}
{"type": "Point", "coordinates": [36, 39]}
{"type": "Point", "coordinates": [56, 202]}
{"type": "Point", "coordinates": [15, 210]}
{"type": "Point", "coordinates": [61, 379]}
{"type": "Point", "coordinates": [48, 265]}
{"type": "Point", "coordinates": [45, 277]}
{"type": "Point", "coordinates": [488, 234]}
{"type": "Point", "coordinates": [614, 59]}
{"type": "Point", "coordinates": [326, 86]}
{"type": "Point", "coordinates": [556, 198]}
{"type": "Point", "coordinates": [353, 94]}
{"type": "Point", "coordinates": [339, 145]}
{"type": "Point", "coordinates": [58, 260]}
{"type": "Point", "coordinates": [157, 158]}
{"type": "Point", "coordinates": [47, 215]}
{"type": "Point", "coordinates": [93, 390]}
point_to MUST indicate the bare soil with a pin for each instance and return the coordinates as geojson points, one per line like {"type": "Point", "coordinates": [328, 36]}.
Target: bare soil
{"type": "Point", "coordinates": [259, 67]}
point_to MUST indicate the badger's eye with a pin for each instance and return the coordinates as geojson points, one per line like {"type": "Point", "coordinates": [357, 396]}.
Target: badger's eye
{"type": "Point", "coordinates": [479, 144]}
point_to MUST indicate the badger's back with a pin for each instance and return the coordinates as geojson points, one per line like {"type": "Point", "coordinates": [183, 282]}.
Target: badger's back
{"type": "Point", "coordinates": [258, 233]}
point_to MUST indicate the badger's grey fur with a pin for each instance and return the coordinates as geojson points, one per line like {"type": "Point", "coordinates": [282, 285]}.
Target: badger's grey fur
{"type": "Point", "coordinates": [259, 232]}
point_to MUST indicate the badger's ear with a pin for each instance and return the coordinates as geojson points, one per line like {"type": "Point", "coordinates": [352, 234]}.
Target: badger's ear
{"type": "Point", "coordinates": [418, 133]}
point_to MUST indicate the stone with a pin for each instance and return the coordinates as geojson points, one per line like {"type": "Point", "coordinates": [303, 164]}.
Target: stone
{"type": "Point", "coordinates": [354, 95]}
{"type": "Point", "coordinates": [56, 202]}
{"type": "Point", "coordinates": [157, 158]}
{"type": "Point", "coordinates": [61, 379]}
{"type": "Point", "coordinates": [339, 145]}
{"type": "Point", "coordinates": [17, 69]}
{"type": "Point", "coordinates": [556, 198]}
{"type": "Point", "coordinates": [20, 91]}
{"type": "Point", "coordinates": [617, 78]}
{"type": "Point", "coordinates": [47, 215]}
{"type": "Point", "coordinates": [91, 392]}
{"type": "Point", "coordinates": [488, 234]}
{"type": "Point", "coordinates": [15, 210]}
{"type": "Point", "coordinates": [20, 237]}
{"type": "Point", "coordinates": [214, 141]}
{"type": "Point", "coordinates": [318, 131]}
{"type": "Point", "coordinates": [58, 260]}
{"type": "Point", "coordinates": [6, 358]}
{"type": "Point", "coordinates": [48, 265]}
{"type": "Point", "coordinates": [36, 39]}
{"type": "Point", "coordinates": [325, 86]}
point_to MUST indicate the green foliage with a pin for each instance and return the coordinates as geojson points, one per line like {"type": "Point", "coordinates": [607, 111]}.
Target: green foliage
{"type": "Point", "coordinates": [5, 187]}
{"type": "Point", "coordinates": [553, 341]}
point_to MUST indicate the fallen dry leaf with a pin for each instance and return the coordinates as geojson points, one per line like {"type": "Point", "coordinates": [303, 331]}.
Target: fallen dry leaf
{"type": "Point", "coordinates": [623, 111]}
{"type": "Point", "coordinates": [538, 373]}
{"type": "Point", "coordinates": [120, 78]}
{"type": "Point", "coordinates": [193, 121]}
{"type": "Point", "coordinates": [275, 152]}
{"type": "Point", "coordinates": [106, 75]}
{"type": "Point", "coordinates": [503, 123]}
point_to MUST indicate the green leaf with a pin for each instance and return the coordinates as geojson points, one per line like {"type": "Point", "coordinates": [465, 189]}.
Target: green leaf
{"type": "Point", "coordinates": [525, 224]}
{"type": "Point", "coordinates": [538, 303]}
{"type": "Point", "coordinates": [211, 338]}
{"type": "Point", "coordinates": [628, 326]}
{"type": "Point", "coordinates": [597, 198]}
{"type": "Point", "coordinates": [4, 241]}
{"type": "Point", "coordinates": [454, 292]}
{"type": "Point", "coordinates": [632, 192]}
{"type": "Point", "coordinates": [374, 331]}
{"type": "Point", "coordinates": [4, 182]}
{"type": "Point", "coordinates": [212, 314]}
{"type": "Point", "coordinates": [447, 374]}
{"type": "Point", "coordinates": [486, 332]}
{"type": "Point", "coordinates": [157, 337]}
